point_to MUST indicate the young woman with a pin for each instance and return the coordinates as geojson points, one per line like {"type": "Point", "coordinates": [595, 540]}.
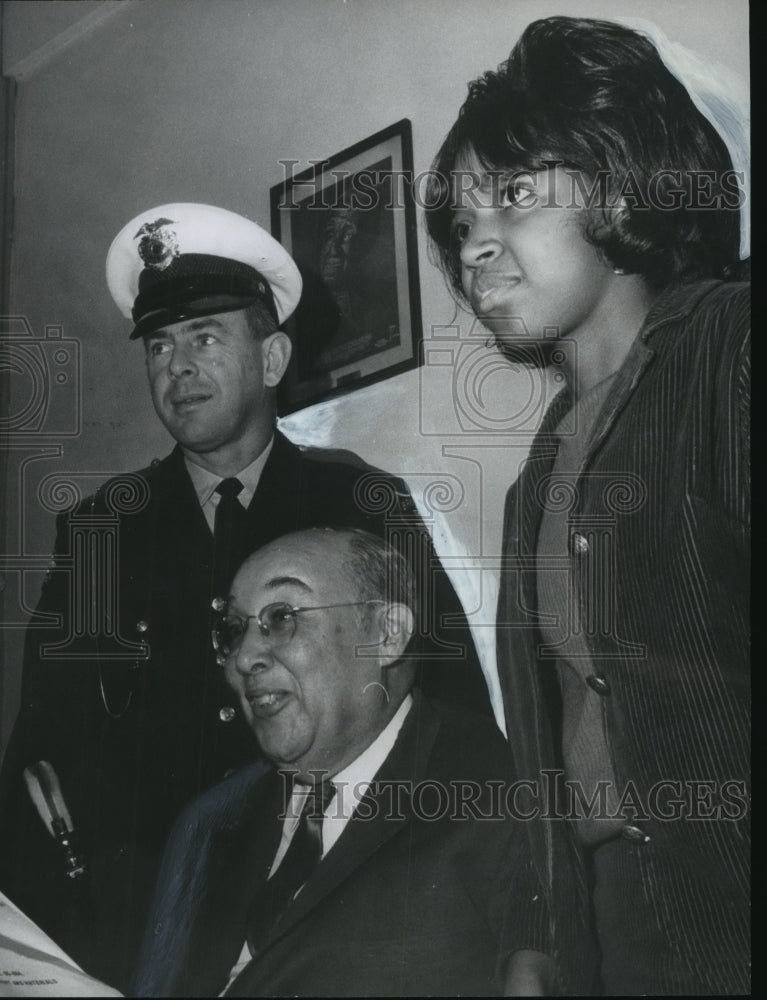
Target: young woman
{"type": "Point", "coordinates": [589, 214]}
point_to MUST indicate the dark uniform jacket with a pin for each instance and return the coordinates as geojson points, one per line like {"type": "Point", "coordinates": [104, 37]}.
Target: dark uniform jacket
{"type": "Point", "coordinates": [659, 534]}
{"type": "Point", "coordinates": [420, 895]}
{"type": "Point", "coordinates": [135, 732]}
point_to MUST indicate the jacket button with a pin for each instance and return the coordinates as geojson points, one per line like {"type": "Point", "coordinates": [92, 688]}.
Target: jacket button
{"type": "Point", "coordinates": [142, 626]}
{"type": "Point", "coordinates": [635, 834]}
{"type": "Point", "coordinates": [227, 713]}
{"type": "Point", "coordinates": [580, 543]}
{"type": "Point", "coordinates": [598, 684]}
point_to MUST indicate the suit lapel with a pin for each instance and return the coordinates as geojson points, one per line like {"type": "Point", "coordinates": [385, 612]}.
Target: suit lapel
{"type": "Point", "coordinates": [362, 838]}
{"type": "Point", "coordinates": [233, 870]}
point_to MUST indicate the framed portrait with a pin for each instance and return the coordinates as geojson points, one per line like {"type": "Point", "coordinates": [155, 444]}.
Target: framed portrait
{"type": "Point", "coordinates": [349, 224]}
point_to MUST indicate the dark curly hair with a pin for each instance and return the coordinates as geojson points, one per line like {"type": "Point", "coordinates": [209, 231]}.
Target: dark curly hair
{"type": "Point", "coordinates": [596, 98]}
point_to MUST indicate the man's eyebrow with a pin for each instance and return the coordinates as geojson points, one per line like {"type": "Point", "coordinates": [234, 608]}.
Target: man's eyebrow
{"type": "Point", "coordinates": [280, 581]}
{"type": "Point", "coordinates": [200, 324]}
{"type": "Point", "coordinates": [192, 326]}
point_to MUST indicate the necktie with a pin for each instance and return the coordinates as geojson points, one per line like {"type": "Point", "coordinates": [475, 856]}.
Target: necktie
{"type": "Point", "coordinates": [228, 532]}
{"type": "Point", "coordinates": [302, 857]}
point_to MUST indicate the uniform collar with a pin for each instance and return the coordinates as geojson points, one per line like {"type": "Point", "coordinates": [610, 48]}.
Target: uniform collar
{"type": "Point", "coordinates": [205, 482]}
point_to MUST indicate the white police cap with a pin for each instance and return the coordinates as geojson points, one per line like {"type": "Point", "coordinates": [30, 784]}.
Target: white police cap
{"type": "Point", "coordinates": [178, 262]}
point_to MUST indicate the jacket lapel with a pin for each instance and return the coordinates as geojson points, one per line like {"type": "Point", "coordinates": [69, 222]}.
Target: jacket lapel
{"type": "Point", "coordinates": [362, 838]}
{"type": "Point", "coordinates": [524, 699]}
{"type": "Point", "coordinates": [231, 872]}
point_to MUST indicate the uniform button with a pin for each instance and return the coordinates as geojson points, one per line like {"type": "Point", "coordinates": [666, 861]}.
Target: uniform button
{"type": "Point", "coordinates": [580, 543]}
{"type": "Point", "coordinates": [218, 603]}
{"type": "Point", "coordinates": [635, 834]}
{"type": "Point", "coordinates": [227, 713]}
{"type": "Point", "coordinates": [142, 626]}
{"type": "Point", "coordinates": [598, 684]}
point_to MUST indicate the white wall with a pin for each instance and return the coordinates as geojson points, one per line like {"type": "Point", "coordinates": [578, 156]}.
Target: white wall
{"type": "Point", "coordinates": [191, 100]}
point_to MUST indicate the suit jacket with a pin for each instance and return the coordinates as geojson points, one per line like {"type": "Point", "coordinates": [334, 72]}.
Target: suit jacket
{"type": "Point", "coordinates": [134, 733]}
{"type": "Point", "coordinates": [419, 896]}
{"type": "Point", "coordinates": [660, 509]}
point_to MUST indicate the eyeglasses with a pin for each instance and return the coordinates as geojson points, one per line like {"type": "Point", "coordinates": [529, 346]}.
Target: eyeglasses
{"type": "Point", "coordinates": [275, 621]}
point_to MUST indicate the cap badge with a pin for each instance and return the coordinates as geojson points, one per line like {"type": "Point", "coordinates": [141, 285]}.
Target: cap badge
{"type": "Point", "coordinates": [159, 245]}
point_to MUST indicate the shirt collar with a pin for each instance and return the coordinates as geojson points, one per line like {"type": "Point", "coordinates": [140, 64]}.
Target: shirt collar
{"type": "Point", "coordinates": [350, 784]}
{"type": "Point", "coordinates": [205, 482]}
{"type": "Point", "coordinates": [364, 768]}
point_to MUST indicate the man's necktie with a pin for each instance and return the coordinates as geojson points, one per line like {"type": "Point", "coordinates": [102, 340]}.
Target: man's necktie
{"type": "Point", "coordinates": [228, 532]}
{"type": "Point", "coordinates": [302, 857]}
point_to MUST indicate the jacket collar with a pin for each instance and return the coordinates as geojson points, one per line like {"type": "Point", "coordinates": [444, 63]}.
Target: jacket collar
{"type": "Point", "coordinates": [675, 303]}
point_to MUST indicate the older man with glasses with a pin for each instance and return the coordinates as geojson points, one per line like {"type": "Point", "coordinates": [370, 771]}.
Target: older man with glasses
{"type": "Point", "coordinates": [357, 865]}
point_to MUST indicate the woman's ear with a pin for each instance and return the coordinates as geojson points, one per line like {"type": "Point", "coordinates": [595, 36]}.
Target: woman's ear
{"type": "Point", "coordinates": [622, 212]}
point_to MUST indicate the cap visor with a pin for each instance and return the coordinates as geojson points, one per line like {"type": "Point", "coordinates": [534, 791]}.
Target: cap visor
{"type": "Point", "coordinates": [178, 312]}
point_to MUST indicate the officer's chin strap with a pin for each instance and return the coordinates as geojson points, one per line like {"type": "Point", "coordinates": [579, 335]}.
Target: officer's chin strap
{"type": "Point", "coordinates": [45, 791]}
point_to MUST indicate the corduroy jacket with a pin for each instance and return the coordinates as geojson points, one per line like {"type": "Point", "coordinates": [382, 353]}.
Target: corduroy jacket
{"type": "Point", "coordinates": [659, 563]}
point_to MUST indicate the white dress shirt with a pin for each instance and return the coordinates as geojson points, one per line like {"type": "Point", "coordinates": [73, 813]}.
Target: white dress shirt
{"type": "Point", "coordinates": [350, 784]}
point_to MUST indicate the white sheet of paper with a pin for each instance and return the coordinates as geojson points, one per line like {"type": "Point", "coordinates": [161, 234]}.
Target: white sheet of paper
{"type": "Point", "coordinates": [32, 965]}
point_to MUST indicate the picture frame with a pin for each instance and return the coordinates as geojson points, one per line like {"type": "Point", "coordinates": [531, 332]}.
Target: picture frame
{"type": "Point", "coordinates": [349, 223]}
